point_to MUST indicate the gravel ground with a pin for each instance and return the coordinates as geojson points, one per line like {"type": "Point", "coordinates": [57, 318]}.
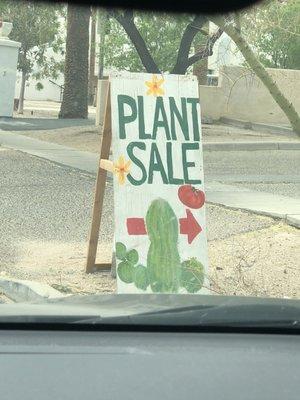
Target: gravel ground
{"type": "Point", "coordinates": [45, 220]}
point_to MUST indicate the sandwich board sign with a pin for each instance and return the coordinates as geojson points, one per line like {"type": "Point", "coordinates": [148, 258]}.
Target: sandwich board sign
{"type": "Point", "coordinates": [159, 200]}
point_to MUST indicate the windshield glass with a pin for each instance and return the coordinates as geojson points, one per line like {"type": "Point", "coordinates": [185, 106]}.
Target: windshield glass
{"type": "Point", "coordinates": [149, 153]}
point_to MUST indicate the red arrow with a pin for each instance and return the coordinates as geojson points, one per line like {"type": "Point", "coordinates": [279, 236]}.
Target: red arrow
{"type": "Point", "coordinates": [136, 226]}
{"type": "Point", "coordinates": [189, 226]}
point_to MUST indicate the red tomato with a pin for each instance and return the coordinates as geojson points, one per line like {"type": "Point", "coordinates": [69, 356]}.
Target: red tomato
{"type": "Point", "coordinates": [190, 196]}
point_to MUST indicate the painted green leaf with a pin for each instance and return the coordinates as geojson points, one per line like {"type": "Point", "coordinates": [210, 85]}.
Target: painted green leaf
{"type": "Point", "coordinates": [125, 271]}
{"type": "Point", "coordinates": [192, 276]}
{"type": "Point", "coordinates": [120, 251]}
{"type": "Point", "coordinates": [140, 277]}
{"type": "Point", "coordinates": [132, 256]}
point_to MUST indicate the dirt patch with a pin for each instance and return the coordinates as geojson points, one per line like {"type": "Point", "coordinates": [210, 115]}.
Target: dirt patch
{"type": "Point", "coordinates": [61, 265]}
{"type": "Point", "coordinates": [88, 138]}
{"type": "Point", "coordinates": [262, 263]}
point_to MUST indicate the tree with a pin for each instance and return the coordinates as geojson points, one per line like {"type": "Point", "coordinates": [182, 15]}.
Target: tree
{"type": "Point", "coordinates": [200, 68]}
{"type": "Point", "coordinates": [232, 25]}
{"type": "Point", "coordinates": [92, 57]}
{"type": "Point", "coordinates": [36, 27]}
{"type": "Point", "coordinates": [75, 96]}
{"type": "Point", "coordinates": [274, 31]}
{"type": "Point", "coordinates": [153, 43]}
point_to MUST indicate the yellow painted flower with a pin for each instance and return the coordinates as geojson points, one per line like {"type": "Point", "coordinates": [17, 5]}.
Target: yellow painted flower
{"type": "Point", "coordinates": [154, 86]}
{"type": "Point", "coordinates": [121, 169]}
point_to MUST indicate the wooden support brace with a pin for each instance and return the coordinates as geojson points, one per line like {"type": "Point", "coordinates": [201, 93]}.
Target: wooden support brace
{"type": "Point", "coordinates": [91, 265]}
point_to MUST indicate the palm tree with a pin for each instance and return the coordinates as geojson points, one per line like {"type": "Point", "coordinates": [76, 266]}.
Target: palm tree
{"type": "Point", "coordinates": [75, 96]}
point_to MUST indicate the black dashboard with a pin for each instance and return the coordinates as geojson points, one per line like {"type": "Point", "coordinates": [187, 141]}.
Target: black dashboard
{"type": "Point", "coordinates": [73, 365]}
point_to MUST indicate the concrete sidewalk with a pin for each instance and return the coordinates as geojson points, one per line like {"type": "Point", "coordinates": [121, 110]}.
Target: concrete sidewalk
{"type": "Point", "coordinates": [82, 160]}
{"type": "Point", "coordinates": [29, 124]}
{"type": "Point", "coordinates": [264, 203]}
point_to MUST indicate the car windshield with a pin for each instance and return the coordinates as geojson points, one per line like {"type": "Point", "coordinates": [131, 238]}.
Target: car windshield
{"type": "Point", "coordinates": [149, 153]}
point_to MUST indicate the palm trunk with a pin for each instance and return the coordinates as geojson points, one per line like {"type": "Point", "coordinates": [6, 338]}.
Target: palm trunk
{"type": "Point", "coordinates": [75, 95]}
{"type": "Point", "coordinates": [92, 80]}
{"type": "Point", "coordinates": [285, 105]}
{"type": "Point", "coordinates": [22, 93]}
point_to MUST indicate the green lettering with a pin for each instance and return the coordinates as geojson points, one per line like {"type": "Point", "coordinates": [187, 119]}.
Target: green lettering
{"type": "Point", "coordinates": [155, 164]}
{"type": "Point", "coordinates": [188, 164]}
{"type": "Point", "coordinates": [125, 119]}
{"type": "Point", "coordinates": [137, 162]}
{"type": "Point", "coordinates": [142, 133]}
{"type": "Point", "coordinates": [160, 123]}
{"type": "Point", "coordinates": [194, 102]}
{"type": "Point", "coordinates": [181, 118]}
{"type": "Point", "coordinates": [172, 180]}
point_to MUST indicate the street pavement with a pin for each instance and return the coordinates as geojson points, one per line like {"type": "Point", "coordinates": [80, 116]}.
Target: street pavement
{"type": "Point", "coordinates": [237, 179]}
{"type": "Point", "coordinates": [45, 202]}
{"type": "Point", "coordinates": [45, 218]}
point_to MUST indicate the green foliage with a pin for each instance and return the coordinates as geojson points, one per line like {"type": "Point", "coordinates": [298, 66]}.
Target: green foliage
{"type": "Point", "coordinates": [274, 32]}
{"type": "Point", "coordinates": [163, 261]}
{"type": "Point", "coordinates": [140, 277]}
{"type": "Point", "coordinates": [162, 34]}
{"type": "Point", "coordinates": [192, 277]}
{"type": "Point", "coordinates": [132, 256]}
{"type": "Point", "coordinates": [120, 251]}
{"type": "Point", "coordinates": [163, 273]}
{"type": "Point", "coordinates": [36, 26]}
{"type": "Point", "coordinates": [39, 86]}
{"type": "Point", "coordinates": [125, 271]}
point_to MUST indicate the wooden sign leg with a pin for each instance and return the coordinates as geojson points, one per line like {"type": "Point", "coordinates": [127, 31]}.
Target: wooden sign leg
{"type": "Point", "coordinates": [91, 266]}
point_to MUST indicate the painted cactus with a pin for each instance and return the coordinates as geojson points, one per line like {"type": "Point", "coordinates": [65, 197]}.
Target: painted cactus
{"type": "Point", "coordinates": [163, 261]}
{"type": "Point", "coordinates": [129, 271]}
{"type": "Point", "coordinates": [192, 276]}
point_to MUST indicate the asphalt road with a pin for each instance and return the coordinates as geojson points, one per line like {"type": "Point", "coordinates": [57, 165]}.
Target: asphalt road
{"type": "Point", "coordinates": [46, 202]}
{"type": "Point", "coordinates": [275, 171]}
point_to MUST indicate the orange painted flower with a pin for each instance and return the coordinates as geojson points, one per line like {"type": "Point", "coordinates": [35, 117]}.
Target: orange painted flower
{"type": "Point", "coordinates": [155, 86]}
{"type": "Point", "coordinates": [121, 169]}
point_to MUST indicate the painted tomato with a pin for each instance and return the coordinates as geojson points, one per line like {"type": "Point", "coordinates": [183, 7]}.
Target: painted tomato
{"type": "Point", "coordinates": [190, 196]}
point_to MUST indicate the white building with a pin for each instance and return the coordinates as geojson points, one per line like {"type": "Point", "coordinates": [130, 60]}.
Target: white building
{"type": "Point", "coordinates": [225, 52]}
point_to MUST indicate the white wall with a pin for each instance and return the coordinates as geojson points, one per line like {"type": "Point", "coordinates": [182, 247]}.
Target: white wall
{"type": "Point", "coordinates": [49, 92]}
{"type": "Point", "coordinates": [242, 96]}
{"type": "Point", "coordinates": [8, 67]}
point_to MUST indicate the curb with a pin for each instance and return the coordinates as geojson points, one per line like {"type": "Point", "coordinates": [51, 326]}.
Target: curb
{"type": "Point", "coordinates": [293, 220]}
{"type": "Point", "coordinates": [23, 291]}
{"type": "Point", "coordinates": [256, 126]}
{"type": "Point", "coordinates": [250, 146]}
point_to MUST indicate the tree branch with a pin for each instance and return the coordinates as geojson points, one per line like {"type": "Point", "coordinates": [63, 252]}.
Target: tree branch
{"type": "Point", "coordinates": [185, 45]}
{"type": "Point", "coordinates": [127, 21]}
{"type": "Point", "coordinates": [207, 50]}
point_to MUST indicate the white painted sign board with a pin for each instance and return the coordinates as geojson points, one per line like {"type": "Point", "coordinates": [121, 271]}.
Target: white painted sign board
{"type": "Point", "coordinates": [160, 227]}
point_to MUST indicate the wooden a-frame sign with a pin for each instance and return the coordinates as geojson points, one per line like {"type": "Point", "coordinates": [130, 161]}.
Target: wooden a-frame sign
{"type": "Point", "coordinates": [159, 199]}
{"type": "Point", "coordinates": [91, 265]}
